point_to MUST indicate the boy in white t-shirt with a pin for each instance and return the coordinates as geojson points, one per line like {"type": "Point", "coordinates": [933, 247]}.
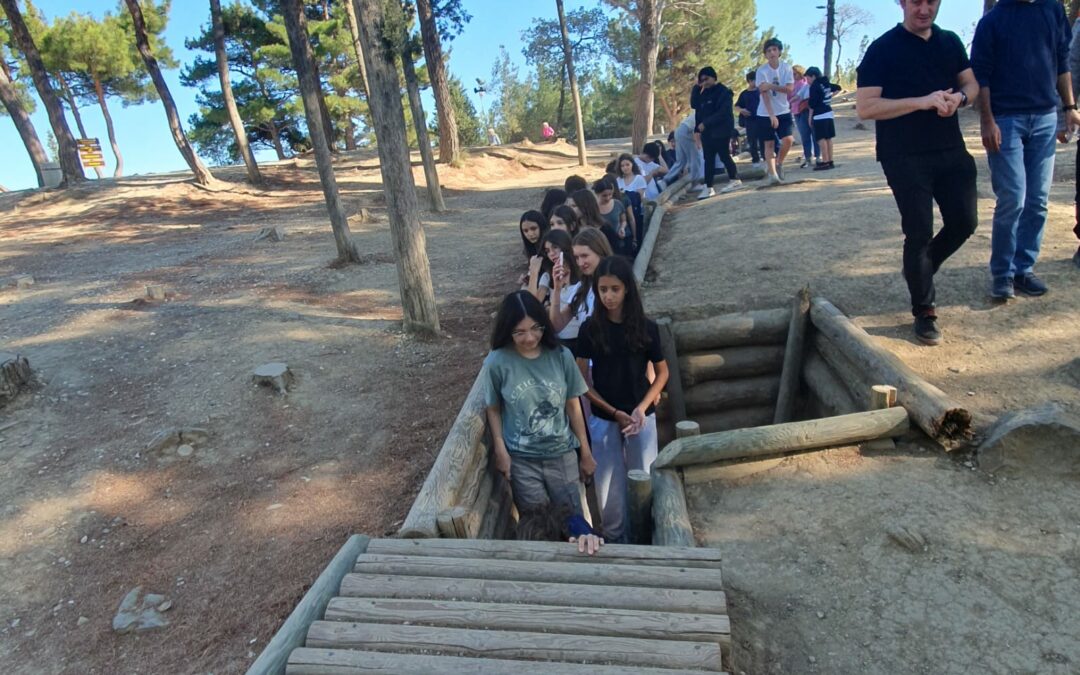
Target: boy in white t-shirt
{"type": "Point", "coordinates": [775, 80]}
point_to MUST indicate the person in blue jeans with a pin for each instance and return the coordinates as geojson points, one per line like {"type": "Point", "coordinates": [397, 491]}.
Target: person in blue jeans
{"type": "Point", "coordinates": [1018, 117]}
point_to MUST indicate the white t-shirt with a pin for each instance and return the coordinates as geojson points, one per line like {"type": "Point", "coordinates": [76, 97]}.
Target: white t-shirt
{"type": "Point", "coordinates": [570, 330]}
{"type": "Point", "coordinates": [638, 183]}
{"type": "Point", "coordinates": [651, 191]}
{"type": "Point", "coordinates": [781, 75]}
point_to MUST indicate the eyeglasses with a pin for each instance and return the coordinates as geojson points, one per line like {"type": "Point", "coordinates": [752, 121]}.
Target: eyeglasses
{"type": "Point", "coordinates": [535, 329]}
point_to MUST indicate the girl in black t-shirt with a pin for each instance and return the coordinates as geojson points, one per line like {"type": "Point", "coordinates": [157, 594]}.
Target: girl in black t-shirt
{"type": "Point", "coordinates": [621, 342]}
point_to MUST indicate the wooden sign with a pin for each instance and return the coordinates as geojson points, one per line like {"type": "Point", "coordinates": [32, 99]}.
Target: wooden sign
{"type": "Point", "coordinates": [90, 152]}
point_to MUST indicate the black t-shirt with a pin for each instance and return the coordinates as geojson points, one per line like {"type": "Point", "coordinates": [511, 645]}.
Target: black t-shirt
{"type": "Point", "coordinates": [748, 100]}
{"type": "Point", "coordinates": [619, 374]}
{"type": "Point", "coordinates": [906, 66]}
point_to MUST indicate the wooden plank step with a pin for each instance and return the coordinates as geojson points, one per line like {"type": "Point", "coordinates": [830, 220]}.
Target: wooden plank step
{"type": "Point", "coordinates": [551, 572]}
{"type": "Point", "coordinates": [308, 661]}
{"type": "Point", "coordinates": [544, 551]}
{"type": "Point", "coordinates": [535, 593]}
{"type": "Point", "coordinates": [514, 645]}
{"type": "Point", "coordinates": [535, 618]}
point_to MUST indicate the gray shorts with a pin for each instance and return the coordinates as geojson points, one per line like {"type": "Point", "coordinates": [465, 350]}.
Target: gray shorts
{"type": "Point", "coordinates": [538, 482]}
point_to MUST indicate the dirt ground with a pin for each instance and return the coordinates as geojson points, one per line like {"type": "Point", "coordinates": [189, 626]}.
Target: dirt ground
{"type": "Point", "coordinates": [234, 533]}
{"type": "Point", "coordinates": [817, 585]}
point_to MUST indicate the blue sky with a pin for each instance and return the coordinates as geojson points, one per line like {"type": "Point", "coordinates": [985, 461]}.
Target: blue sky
{"type": "Point", "coordinates": [147, 146]}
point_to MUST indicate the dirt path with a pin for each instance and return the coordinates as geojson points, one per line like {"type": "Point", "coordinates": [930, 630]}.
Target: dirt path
{"type": "Point", "coordinates": [234, 533]}
{"type": "Point", "coordinates": [817, 584]}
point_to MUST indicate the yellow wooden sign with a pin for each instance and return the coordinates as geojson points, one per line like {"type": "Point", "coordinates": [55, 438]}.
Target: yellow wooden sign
{"type": "Point", "coordinates": [90, 152]}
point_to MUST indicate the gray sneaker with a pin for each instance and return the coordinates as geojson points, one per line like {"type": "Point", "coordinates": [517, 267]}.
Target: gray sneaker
{"type": "Point", "coordinates": [732, 186]}
{"type": "Point", "coordinates": [773, 179]}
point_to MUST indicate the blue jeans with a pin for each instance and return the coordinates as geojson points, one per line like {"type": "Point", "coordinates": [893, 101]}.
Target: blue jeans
{"type": "Point", "coordinates": [615, 455]}
{"type": "Point", "coordinates": [1020, 173]}
{"type": "Point", "coordinates": [806, 135]}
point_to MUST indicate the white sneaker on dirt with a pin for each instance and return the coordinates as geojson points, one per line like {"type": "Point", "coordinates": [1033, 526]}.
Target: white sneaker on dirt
{"type": "Point", "coordinates": [773, 179]}
{"type": "Point", "coordinates": [706, 193]}
{"type": "Point", "coordinates": [732, 186]}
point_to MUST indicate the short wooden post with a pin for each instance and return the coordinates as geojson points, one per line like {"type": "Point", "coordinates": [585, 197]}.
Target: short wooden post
{"type": "Point", "coordinates": [793, 357]}
{"type": "Point", "coordinates": [639, 485]}
{"type": "Point", "coordinates": [687, 428]}
{"type": "Point", "coordinates": [674, 386]}
{"type": "Point", "coordinates": [881, 396]}
{"type": "Point", "coordinates": [671, 516]}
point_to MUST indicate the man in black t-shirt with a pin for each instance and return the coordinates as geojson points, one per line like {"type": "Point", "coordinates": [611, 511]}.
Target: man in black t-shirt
{"type": "Point", "coordinates": [912, 80]}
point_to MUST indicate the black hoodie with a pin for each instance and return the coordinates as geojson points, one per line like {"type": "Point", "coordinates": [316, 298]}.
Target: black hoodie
{"type": "Point", "coordinates": [713, 108]}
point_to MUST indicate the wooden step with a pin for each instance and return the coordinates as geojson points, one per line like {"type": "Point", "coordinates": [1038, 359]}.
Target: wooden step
{"type": "Point", "coordinates": [535, 618]}
{"type": "Point", "coordinates": [514, 645]}
{"type": "Point", "coordinates": [307, 661]}
{"type": "Point", "coordinates": [543, 551]}
{"type": "Point", "coordinates": [537, 593]}
{"type": "Point", "coordinates": [553, 572]}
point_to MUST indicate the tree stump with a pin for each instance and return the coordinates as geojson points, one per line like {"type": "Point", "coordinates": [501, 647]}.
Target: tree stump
{"type": "Point", "coordinates": [14, 375]}
{"type": "Point", "coordinates": [24, 281]}
{"type": "Point", "coordinates": [274, 234]}
{"type": "Point", "coordinates": [276, 375]}
{"type": "Point", "coordinates": [155, 292]}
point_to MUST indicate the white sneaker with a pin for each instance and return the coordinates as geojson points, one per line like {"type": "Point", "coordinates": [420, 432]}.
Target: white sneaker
{"type": "Point", "coordinates": [758, 165]}
{"type": "Point", "coordinates": [706, 193]}
{"type": "Point", "coordinates": [732, 186]}
{"type": "Point", "coordinates": [773, 179]}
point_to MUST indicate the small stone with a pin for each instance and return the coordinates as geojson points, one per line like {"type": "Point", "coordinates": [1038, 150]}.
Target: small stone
{"type": "Point", "coordinates": [821, 615]}
{"type": "Point", "coordinates": [185, 450]}
{"type": "Point", "coordinates": [274, 507]}
{"type": "Point", "coordinates": [165, 606]}
{"type": "Point", "coordinates": [84, 539]}
{"type": "Point", "coordinates": [15, 623]}
{"type": "Point", "coordinates": [82, 621]}
{"type": "Point", "coordinates": [955, 369]}
{"type": "Point", "coordinates": [812, 659]}
{"type": "Point", "coordinates": [24, 281]}
{"type": "Point", "coordinates": [971, 393]}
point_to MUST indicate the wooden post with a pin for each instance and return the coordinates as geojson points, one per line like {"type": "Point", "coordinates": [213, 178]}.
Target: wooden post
{"type": "Point", "coordinates": [881, 396]}
{"type": "Point", "coordinates": [793, 357]}
{"type": "Point", "coordinates": [687, 428]}
{"type": "Point", "coordinates": [671, 516]}
{"type": "Point", "coordinates": [778, 439]}
{"type": "Point", "coordinates": [674, 385]}
{"type": "Point", "coordinates": [640, 487]}
{"type": "Point", "coordinates": [938, 415]}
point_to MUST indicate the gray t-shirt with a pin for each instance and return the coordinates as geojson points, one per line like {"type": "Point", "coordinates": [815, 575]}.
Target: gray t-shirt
{"type": "Point", "coordinates": [532, 396]}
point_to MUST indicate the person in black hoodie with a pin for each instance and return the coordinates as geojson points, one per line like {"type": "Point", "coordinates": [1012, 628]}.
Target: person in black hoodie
{"type": "Point", "coordinates": [715, 121]}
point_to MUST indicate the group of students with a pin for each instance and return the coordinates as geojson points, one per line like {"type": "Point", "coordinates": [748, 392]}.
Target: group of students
{"type": "Point", "coordinates": [575, 368]}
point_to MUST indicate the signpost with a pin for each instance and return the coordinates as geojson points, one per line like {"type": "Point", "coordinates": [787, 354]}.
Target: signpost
{"type": "Point", "coordinates": [90, 152]}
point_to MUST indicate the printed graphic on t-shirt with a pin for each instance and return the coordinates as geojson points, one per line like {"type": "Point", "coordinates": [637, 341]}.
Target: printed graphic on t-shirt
{"type": "Point", "coordinates": [542, 422]}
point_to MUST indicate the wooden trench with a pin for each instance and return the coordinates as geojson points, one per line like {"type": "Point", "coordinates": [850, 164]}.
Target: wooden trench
{"type": "Point", "coordinates": [454, 594]}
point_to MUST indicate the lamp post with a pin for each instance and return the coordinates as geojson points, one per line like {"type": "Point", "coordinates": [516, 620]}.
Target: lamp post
{"type": "Point", "coordinates": [480, 91]}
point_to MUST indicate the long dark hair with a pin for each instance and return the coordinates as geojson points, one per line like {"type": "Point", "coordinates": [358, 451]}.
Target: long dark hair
{"type": "Point", "coordinates": [568, 216]}
{"type": "Point", "coordinates": [629, 158]}
{"type": "Point", "coordinates": [599, 244]}
{"type": "Point", "coordinates": [562, 241]}
{"type": "Point", "coordinates": [514, 308]}
{"type": "Point", "coordinates": [633, 314]}
{"type": "Point", "coordinates": [589, 207]}
{"type": "Point", "coordinates": [532, 249]}
{"type": "Point", "coordinates": [552, 198]}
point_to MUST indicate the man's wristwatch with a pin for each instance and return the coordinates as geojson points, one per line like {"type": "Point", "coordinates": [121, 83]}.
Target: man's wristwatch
{"type": "Point", "coordinates": [1066, 108]}
{"type": "Point", "coordinates": [963, 99]}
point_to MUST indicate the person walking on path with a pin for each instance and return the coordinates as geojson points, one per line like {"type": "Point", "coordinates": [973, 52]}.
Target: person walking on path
{"type": "Point", "coordinates": [821, 115]}
{"type": "Point", "coordinates": [687, 154]}
{"type": "Point", "coordinates": [775, 80]}
{"type": "Point", "coordinates": [746, 106]}
{"type": "Point", "coordinates": [715, 121]}
{"type": "Point", "coordinates": [800, 112]}
{"type": "Point", "coordinates": [912, 81]}
{"type": "Point", "coordinates": [1020, 55]}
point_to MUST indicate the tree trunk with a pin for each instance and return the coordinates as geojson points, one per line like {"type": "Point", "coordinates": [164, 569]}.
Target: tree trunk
{"type": "Point", "coordinates": [384, 98]}
{"type": "Point", "coordinates": [119, 171]}
{"type": "Point", "coordinates": [350, 134]}
{"type": "Point", "coordinates": [67, 96]}
{"type": "Point", "coordinates": [227, 95]}
{"type": "Point", "coordinates": [10, 97]}
{"type": "Point", "coordinates": [562, 97]}
{"type": "Point", "coordinates": [830, 29]}
{"type": "Point", "coordinates": [304, 62]}
{"type": "Point", "coordinates": [449, 143]}
{"type": "Point", "coordinates": [568, 57]}
{"type": "Point", "coordinates": [202, 174]}
{"type": "Point", "coordinates": [354, 28]}
{"type": "Point", "coordinates": [68, 150]}
{"type": "Point", "coordinates": [275, 138]}
{"type": "Point", "coordinates": [649, 18]}
{"type": "Point", "coordinates": [412, 85]}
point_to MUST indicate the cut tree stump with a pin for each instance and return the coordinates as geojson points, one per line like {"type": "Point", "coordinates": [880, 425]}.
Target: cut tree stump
{"type": "Point", "coordinates": [276, 375]}
{"type": "Point", "coordinates": [14, 375]}
{"type": "Point", "coordinates": [24, 281]}
{"type": "Point", "coordinates": [274, 234]}
{"type": "Point", "coordinates": [155, 292]}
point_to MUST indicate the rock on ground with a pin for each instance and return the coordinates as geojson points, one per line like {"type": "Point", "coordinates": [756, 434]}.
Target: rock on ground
{"type": "Point", "coordinates": [1042, 439]}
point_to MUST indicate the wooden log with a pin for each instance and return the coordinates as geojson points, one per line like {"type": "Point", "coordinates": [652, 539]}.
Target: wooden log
{"type": "Point", "coordinates": [293, 632]}
{"type": "Point", "coordinates": [734, 470]}
{"type": "Point", "coordinates": [494, 524]}
{"type": "Point", "coordinates": [853, 380]}
{"type": "Point", "coordinates": [451, 522]}
{"type": "Point", "coordinates": [931, 409]}
{"type": "Point", "coordinates": [728, 394]}
{"type": "Point", "coordinates": [474, 516]}
{"type": "Point", "coordinates": [514, 645]}
{"type": "Point", "coordinates": [826, 386]}
{"type": "Point", "coordinates": [639, 486]}
{"type": "Point", "coordinates": [881, 396]}
{"type": "Point", "coordinates": [308, 661]}
{"type": "Point", "coordinates": [596, 574]}
{"type": "Point", "coordinates": [674, 190]}
{"type": "Point", "coordinates": [536, 618]}
{"type": "Point", "coordinates": [547, 551]}
{"type": "Point", "coordinates": [761, 327]}
{"type": "Point", "coordinates": [687, 428]}
{"type": "Point", "coordinates": [729, 363]}
{"type": "Point", "coordinates": [737, 418]}
{"type": "Point", "coordinates": [793, 357]}
{"type": "Point", "coordinates": [671, 516]}
{"type": "Point", "coordinates": [652, 230]}
{"type": "Point", "coordinates": [461, 455]}
{"type": "Point", "coordinates": [15, 374]}
{"type": "Point", "coordinates": [534, 592]}
{"type": "Point", "coordinates": [778, 439]}
{"type": "Point", "coordinates": [676, 398]}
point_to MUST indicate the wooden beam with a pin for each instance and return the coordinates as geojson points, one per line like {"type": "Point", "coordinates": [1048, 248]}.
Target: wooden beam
{"type": "Point", "coordinates": [548, 551]}
{"type": "Point", "coordinates": [730, 362]}
{"type": "Point", "coordinates": [736, 418]}
{"type": "Point", "coordinates": [597, 574]}
{"type": "Point", "coordinates": [761, 327]}
{"type": "Point", "coordinates": [639, 487]}
{"type": "Point", "coordinates": [294, 631]}
{"type": "Point", "coordinates": [652, 231]}
{"type": "Point", "coordinates": [676, 399]}
{"type": "Point", "coordinates": [535, 618]}
{"type": "Point", "coordinates": [826, 386]}
{"type": "Point", "coordinates": [793, 357]}
{"type": "Point", "coordinates": [727, 394]}
{"type": "Point", "coordinates": [308, 661]}
{"type": "Point", "coordinates": [778, 439]}
{"type": "Point", "coordinates": [853, 380]}
{"type": "Point", "coordinates": [671, 517]}
{"type": "Point", "coordinates": [534, 592]}
{"type": "Point", "coordinates": [938, 415]}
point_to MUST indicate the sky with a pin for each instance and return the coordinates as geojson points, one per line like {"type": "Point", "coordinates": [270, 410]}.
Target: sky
{"type": "Point", "coordinates": [147, 146]}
